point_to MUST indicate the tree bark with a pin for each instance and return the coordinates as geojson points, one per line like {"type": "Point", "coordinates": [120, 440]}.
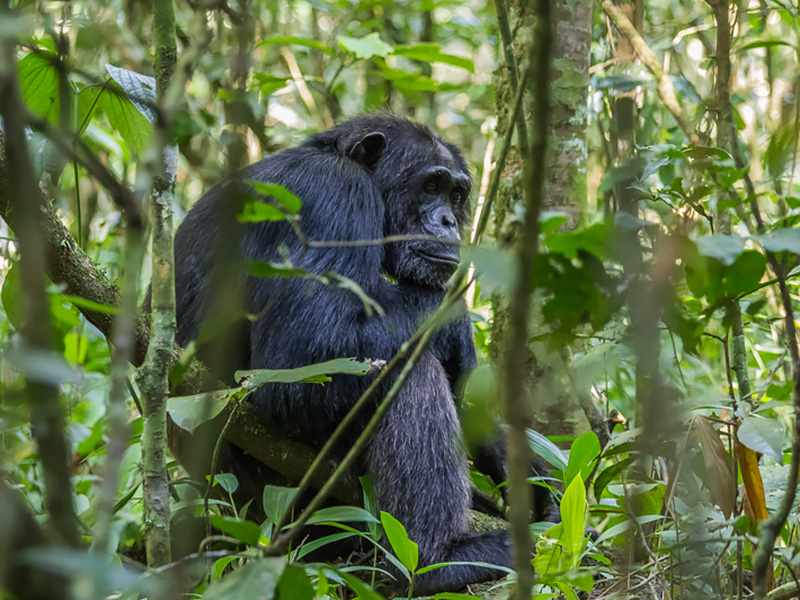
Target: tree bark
{"type": "Point", "coordinates": [556, 412]}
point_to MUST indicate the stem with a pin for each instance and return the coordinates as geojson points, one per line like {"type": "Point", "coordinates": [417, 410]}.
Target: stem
{"type": "Point", "coordinates": [517, 400]}
{"type": "Point", "coordinates": [154, 375]}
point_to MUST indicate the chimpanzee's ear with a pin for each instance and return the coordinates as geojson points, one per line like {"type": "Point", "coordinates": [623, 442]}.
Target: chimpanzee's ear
{"type": "Point", "coordinates": [368, 149]}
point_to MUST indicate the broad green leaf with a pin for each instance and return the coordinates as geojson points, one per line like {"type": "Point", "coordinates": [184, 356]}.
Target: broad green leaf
{"type": "Point", "coordinates": [75, 347]}
{"type": "Point", "coordinates": [189, 412]}
{"type": "Point", "coordinates": [346, 366]}
{"type": "Point", "coordinates": [725, 248]}
{"type": "Point", "coordinates": [274, 190]}
{"type": "Point", "coordinates": [582, 455]}
{"type": "Point", "coordinates": [607, 475]}
{"type": "Point", "coordinates": [547, 450]}
{"type": "Point", "coordinates": [745, 273]}
{"type": "Point", "coordinates": [39, 81]}
{"type": "Point", "coordinates": [256, 580]}
{"type": "Point", "coordinates": [298, 41]}
{"type": "Point", "coordinates": [269, 84]}
{"type": "Point", "coordinates": [404, 548]}
{"type": "Point", "coordinates": [295, 585]}
{"type": "Point", "coordinates": [765, 435]}
{"type": "Point", "coordinates": [276, 500]}
{"type": "Point", "coordinates": [365, 47]}
{"type": "Point", "coordinates": [227, 481]}
{"type": "Point", "coordinates": [786, 239]}
{"type": "Point", "coordinates": [592, 239]}
{"type": "Point", "coordinates": [433, 53]}
{"type": "Point", "coordinates": [126, 119]}
{"type": "Point", "coordinates": [257, 211]}
{"type": "Point", "coordinates": [573, 519]}
{"type": "Point", "coordinates": [244, 531]}
{"type": "Point", "coordinates": [342, 514]}
{"type": "Point", "coordinates": [139, 89]}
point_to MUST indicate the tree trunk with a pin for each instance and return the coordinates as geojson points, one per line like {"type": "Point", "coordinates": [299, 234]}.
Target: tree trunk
{"type": "Point", "coordinates": [558, 411]}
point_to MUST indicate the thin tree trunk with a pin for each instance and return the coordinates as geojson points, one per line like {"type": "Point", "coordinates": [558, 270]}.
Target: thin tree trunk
{"type": "Point", "coordinates": [154, 375]}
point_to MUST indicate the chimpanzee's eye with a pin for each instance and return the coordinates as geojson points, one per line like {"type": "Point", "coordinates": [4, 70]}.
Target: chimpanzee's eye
{"type": "Point", "coordinates": [457, 196]}
{"type": "Point", "coordinates": [431, 186]}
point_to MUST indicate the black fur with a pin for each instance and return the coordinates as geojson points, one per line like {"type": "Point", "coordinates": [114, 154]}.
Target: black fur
{"type": "Point", "coordinates": [371, 177]}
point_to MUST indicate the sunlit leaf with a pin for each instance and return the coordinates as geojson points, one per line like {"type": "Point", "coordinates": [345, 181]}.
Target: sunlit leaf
{"type": "Point", "coordinates": [274, 190]}
{"type": "Point", "coordinates": [582, 455]}
{"type": "Point", "coordinates": [404, 548]}
{"type": "Point", "coordinates": [189, 412]}
{"type": "Point", "coordinates": [433, 53]}
{"type": "Point", "coordinates": [39, 81]}
{"type": "Point", "coordinates": [365, 47]}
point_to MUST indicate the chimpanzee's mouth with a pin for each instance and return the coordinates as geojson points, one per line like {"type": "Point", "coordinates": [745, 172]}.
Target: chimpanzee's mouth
{"type": "Point", "coordinates": [441, 258]}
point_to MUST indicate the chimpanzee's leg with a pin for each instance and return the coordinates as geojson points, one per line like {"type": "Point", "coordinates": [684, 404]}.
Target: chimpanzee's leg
{"type": "Point", "coordinates": [418, 466]}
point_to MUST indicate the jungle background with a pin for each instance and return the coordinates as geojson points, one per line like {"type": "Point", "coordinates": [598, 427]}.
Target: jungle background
{"type": "Point", "coordinates": [632, 272]}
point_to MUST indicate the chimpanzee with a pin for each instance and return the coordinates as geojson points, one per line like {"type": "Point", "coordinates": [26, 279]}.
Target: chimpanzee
{"type": "Point", "coordinates": [368, 178]}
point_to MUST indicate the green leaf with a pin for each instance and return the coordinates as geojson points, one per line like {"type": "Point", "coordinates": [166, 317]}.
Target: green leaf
{"type": "Point", "coordinates": [126, 119]}
{"type": "Point", "coordinates": [346, 366]}
{"type": "Point", "coordinates": [139, 89]}
{"type": "Point", "coordinates": [745, 273]}
{"type": "Point", "coordinates": [365, 47]}
{"type": "Point", "coordinates": [298, 41]}
{"type": "Point", "coordinates": [763, 435]}
{"type": "Point", "coordinates": [494, 266]}
{"type": "Point", "coordinates": [227, 481]}
{"type": "Point", "coordinates": [256, 580]}
{"type": "Point", "coordinates": [39, 82]}
{"type": "Point", "coordinates": [725, 248]}
{"type": "Point", "coordinates": [246, 532]}
{"type": "Point", "coordinates": [269, 269]}
{"type": "Point", "coordinates": [582, 455]}
{"type": "Point", "coordinates": [276, 500]}
{"type": "Point", "coordinates": [256, 211]}
{"type": "Point", "coordinates": [404, 548]}
{"type": "Point", "coordinates": [11, 296]}
{"type": "Point", "coordinates": [89, 304]}
{"type": "Point", "coordinates": [573, 519]}
{"type": "Point", "coordinates": [342, 514]}
{"type": "Point", "coordinates": [547, 450]}
{"type": "Point", "coordinates": [786, 239]}
{"type": "Point", "coordinates": [274, 190]}
{"type": "Point", "coordinates": [295, 585]}
{"type": "Point", "coordinates": [592, 239]}
{"type": "Point", "coordinates": [189, 412]}
{"type": "Point", "coordinates": [765, 44]}
{"type": "Point", "coordinates": [433, 53]}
